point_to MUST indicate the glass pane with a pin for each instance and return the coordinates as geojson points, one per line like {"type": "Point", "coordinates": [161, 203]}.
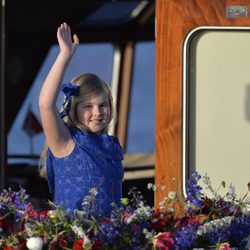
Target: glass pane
{"type": "Point", "coordinates": [95, 58]}
{"type": "Point", "coordinates": [219, 112]}
{"type": "Point", "coordinates": [141, 120]}
{"type": "Point", "coordinates": [112, 12]}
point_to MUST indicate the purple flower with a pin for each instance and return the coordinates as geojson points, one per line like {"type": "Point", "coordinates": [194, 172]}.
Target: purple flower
{"type": "Point", "coordinates": [185, 237]}
{"type": "Point", "coordinates": [194, 191]}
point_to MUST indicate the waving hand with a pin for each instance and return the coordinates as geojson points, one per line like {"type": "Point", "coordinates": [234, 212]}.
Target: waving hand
{"type": "Point", "coordinates": [64, 38]}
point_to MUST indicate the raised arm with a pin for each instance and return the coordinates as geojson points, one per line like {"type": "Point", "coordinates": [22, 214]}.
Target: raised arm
{"type": "Point", "coordinates": [57, 134]}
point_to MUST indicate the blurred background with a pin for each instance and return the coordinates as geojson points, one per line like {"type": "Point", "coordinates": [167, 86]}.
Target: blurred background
{"type": "Point", "coordinates": [117, 42]}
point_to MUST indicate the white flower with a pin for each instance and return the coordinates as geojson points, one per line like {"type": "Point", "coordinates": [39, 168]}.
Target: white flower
{"type": "Point", "coordinates": [148, 235]}
{"type": "Point", "coordinates": [150, 185]}
{"type": "Point", "coordinates": [231, 192]}
{"type": "Point", "coordinates": [1, 242]}
{"type": "Point", "coordinates": [78, 231]}
{"type": "Point", "coordinates": [81, 234]}
{"type": "Point", "coordinates": [87, 242]}
{"type": "Point", "coordinates": [246, 209]}
{"type": "Point", "coordinates": [209, 227]}
{"type": "Point", "coordinates": [130, 219]}
{"type": "Point", "coordinates": [52, 214]}
{"type": "Point", "coordinates": [172, 195]}
{"type": "Point", "coordinates": [140, 214]}
{"type": "Point", "coordinates": [248, 243]}
{"type": "Point", "coordinates": [93, 191]}
{"type": "Point", "coordinates": [34, 243]}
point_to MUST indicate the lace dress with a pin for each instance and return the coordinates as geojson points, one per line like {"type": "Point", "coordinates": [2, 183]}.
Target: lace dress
{"type": "Point", "coordinates": [95, 162]}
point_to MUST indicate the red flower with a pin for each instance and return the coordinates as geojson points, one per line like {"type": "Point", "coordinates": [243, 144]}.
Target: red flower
{"type": "Point", "coordinates": [7, 225]}
{"type": "Point", "coordinates": [97, 245]}
{"type": "Point", "coordinates": [31, 213]}
{"type": "Point", "coordinates": [164, 241]}
{"type": "Point", "coordinates": [248, 184]}
{"type": "Point", "coordinates": [181, 222]}
{"type": "Point", "coordinates": [62, 241]}
{"type": "Point", "coordinates": [43, 214]}
{"type": "Point", "coordinates": [106, 221]}
{"type": "Point", "coordinates": [200, 218]}
{"type": "Point", "coordinates": [7, 248]}
{"type": "Point", "coordinates": [21, 245]}
{"type": "Point", "coordinates": [78, 244]}
{"type": "Point", "coordinates": [163, 219]}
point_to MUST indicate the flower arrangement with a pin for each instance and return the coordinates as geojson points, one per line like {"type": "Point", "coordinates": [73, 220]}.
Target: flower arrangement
{"type": "Point", "coordinates": [195, 221]}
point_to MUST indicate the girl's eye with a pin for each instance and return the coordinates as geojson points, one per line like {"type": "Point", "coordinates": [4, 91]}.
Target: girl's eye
{"type": "Point", "coordinates": [104, 105]}
{"type": "Point", "coordinates": [87, 106]}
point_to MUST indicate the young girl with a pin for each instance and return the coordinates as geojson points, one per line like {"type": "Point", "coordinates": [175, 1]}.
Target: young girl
{"type": "Point", "coordinates": [81, 155]}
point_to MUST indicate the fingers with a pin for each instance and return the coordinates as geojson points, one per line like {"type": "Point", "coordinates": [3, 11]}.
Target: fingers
{"type": "Point", "coordinates": [64, 30]}
{"type": "Point", "coordinates": [65, 40]}
{"type": "Point", "coordinates": [76, 39]}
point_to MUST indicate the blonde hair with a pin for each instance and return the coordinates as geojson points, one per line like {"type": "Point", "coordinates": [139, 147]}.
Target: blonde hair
{"type": "Point", "coordinates": [90, 85]}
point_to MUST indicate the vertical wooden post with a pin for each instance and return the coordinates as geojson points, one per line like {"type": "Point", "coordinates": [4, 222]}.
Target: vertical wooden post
{"type": "Point", "coordinates": [168, 98]}
{"type": "Point", "coordinates": [127, 67]}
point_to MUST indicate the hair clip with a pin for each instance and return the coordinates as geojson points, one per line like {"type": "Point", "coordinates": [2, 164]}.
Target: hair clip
{"type": "Point", "coordinates": [68, 89]}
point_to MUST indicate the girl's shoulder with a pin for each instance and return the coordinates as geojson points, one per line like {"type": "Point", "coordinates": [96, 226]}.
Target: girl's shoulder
{"type": "Point", "coordinates": [77, 133]}
{"type": "Point", "coordinates": [105, 144]}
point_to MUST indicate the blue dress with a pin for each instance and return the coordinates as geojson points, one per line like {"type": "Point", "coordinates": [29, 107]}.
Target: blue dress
{"type": "Point", "coordinates": [95, 162]}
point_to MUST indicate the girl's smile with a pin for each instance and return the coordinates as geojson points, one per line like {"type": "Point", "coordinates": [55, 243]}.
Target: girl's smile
{"type": "Point", "coordinates": [94, 113]}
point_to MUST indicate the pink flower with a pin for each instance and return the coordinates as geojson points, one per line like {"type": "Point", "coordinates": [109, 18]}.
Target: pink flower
{"type": "Point", "coordinates": [164, 241]}
{"type": "Point", "coordinates": [126, 216]}
{"type": "Point", "coordinates": [224, 246]}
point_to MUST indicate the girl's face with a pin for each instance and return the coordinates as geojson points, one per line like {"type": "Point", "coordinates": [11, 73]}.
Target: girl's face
{"type": "Point", "coordinates": [94, 112]}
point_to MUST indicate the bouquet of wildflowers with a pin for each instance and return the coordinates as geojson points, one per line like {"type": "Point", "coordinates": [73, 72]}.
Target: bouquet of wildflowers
{"type": "Point", "coordinates": [13, 209]}
{"type": "Point", "coordinates": [180, 223]}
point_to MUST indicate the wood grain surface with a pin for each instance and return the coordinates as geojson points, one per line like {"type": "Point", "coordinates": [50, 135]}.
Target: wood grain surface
{"type": "Point", "coordinates": [174, 20]}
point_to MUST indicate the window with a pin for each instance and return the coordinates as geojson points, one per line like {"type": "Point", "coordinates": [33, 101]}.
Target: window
{"type": "Point", "coordinates": [141, 120]}
{"type": "Point", "coordinates": [95, 58]}
{"type": "Point", "coordinates": [217, 112]}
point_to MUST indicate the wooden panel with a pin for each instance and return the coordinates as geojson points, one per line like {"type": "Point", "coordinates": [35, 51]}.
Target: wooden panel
{"type": "Point", "coordinates": [174, 20]}
{"type": "Point", "coordinates": [127, 66]}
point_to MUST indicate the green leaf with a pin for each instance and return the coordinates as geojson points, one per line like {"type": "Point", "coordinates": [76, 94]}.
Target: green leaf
{"type": "Point", "coordinates": [125, 201]}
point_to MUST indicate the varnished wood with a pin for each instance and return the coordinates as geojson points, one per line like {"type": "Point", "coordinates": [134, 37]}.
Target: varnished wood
{"type": "Point", "coordinates": [174, 20]}
{"type": "Point", "coordinates": [125, 93]}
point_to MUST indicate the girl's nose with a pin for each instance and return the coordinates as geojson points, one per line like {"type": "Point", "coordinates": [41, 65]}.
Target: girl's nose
{"type": "Point", "coordinates": [97, 110]}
